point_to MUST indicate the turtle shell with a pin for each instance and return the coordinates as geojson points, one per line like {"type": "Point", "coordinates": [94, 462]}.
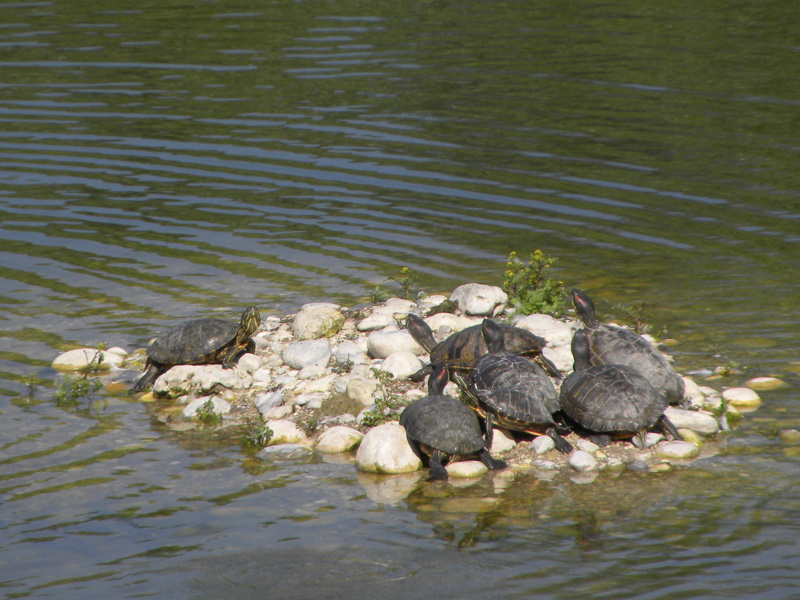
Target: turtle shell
{"type": "Point", "coordinates": [517, 392]}
{"type": "Point", "coordinates": [609, 344]}
{"type": "Point", "coordinates": [443, 423]}
{"type": "Point", "coordinates": [193, 342]}
{"type": "Point", "coordinates": [611, 398]}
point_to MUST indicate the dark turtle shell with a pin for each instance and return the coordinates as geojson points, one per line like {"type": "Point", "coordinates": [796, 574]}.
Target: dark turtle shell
{"type": "Point", "coordinates": [512, 391]}
{"type": "Point", "coordinates": [441, 427]}
{"type": "Point", "coordinates": [460, 351]}
{"type": "Point", "coordinates": [609, 344]}
{"type": "Point", "coordinates": [609, 398]}
{"type": "Point", "coordinates": [200, 341]}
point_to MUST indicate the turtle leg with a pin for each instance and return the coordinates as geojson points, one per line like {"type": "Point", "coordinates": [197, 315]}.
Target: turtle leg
{"type": "Point", "coordinates": [641, 435]}
{"type": "Point", "coordinates": [421, 374]}
{"type": "Point", "coordinates": [437, 469]}
{"type": "Point", "coordinates": [549, 367]}
{"type": "Point", "coordinates": [229, 355]}
{"type": "Point", "coordinates": [151, 373]}
{"type": "Point", "coordinates": [668, 427]}
{"type": "Point", "coordinates": [489, 461]}
{"type": "Point", "coordinates": [562, 445]}
{"type": "Point", "coordinates": [489, 431]}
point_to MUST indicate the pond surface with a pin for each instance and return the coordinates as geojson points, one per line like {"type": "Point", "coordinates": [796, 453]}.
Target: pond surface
{"type": "Point", "coordinates": [164, 160]}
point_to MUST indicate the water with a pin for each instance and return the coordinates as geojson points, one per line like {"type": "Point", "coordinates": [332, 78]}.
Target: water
{"type": "Point", "coordinates": [175, 160]}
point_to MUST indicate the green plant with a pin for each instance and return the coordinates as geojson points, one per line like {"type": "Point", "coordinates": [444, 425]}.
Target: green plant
{"type": "Point", "coordinates": [379, 295]}
{"type": "Point", "coordinates": [256, 433]}
{"type": "Point", "coordinates": [633, 314]}
{"type": "Point", "coordinates": [388, 405]}
{"type": "Point", "coordinates": [344, 366]}
{"type": "Point", "coordinates": [405, 280]}
{"type": "Point", "coordinates": [528, 286]}
{"type": "Point", "coordinates": [32, 382]}
{"type": "Point", "coordinates": [206, 414]}
{"type": "Point", "coordinates": [73, 388]}
{"type": "Point", "coordinates": [448, 306]}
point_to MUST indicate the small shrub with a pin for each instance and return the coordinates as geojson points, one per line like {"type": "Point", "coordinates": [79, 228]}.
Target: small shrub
{"type": "Point", "coordinates": [72, 388]}
{"type": "Point", "coordinates": [388, 405]}
{"type": "Point", "coordinates": [529, 288]}
{"type": "Point", "coordinates": [256, 433]}
{"type": "Point", "coordinates": [207, 416]}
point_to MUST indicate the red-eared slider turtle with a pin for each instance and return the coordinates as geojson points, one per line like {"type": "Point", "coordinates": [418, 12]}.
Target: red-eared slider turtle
{"type": "Point", "coordinates": [513, 392]}
{"type": "Point", "coordinates": [459, 351]}
{"type": "Point", "coordinates": [609, 344]}
{"type": "Point", "coordinates": [197, 342]}
{"type": "Point", "coordinates": [444, 429]}
{"type": "Point", "coordinates": [611, 399]}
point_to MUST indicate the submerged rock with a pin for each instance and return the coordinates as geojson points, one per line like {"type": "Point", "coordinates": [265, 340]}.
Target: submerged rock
{"type": "Point", "coordinates": [742, 397]}
{"type": "Point", "coordinates": [82, 358]}
{"type": "Point", "coordinates": [680, 450]}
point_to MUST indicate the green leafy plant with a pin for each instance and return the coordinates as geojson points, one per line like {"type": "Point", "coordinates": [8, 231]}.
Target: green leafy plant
{"type": "Point", "coordinates": [344, 366]}
{"type": "Point", "coordinates": [256, 433]}
{"type": "Point", "coordinates": [388, 405]}
{"type": "Point", "coordinates": [405, 280]}
{"type": "Point", "coordinates": [634, 315]}
{"type": "Point", "coordinates": [72, 388]}
{"type": "Point", "coordinates": [206, 414]}
{"type": "Point", "coordinates": [529, 288]}
{"type": "Point", "coordinates": [32, 382]}
{"type": "Point", "coordinates": [379, 295]}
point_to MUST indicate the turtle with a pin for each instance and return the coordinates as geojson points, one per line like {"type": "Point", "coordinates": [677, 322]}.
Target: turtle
{"type": "Point", "coordinates": [460, 350]}
{"type": "Point", "coordinates": [197, 342]}
{"type": "Point", "coordinates": [513, 392]}
{"type": "Point", "coordinates": [611, 399]}
{"type": "Point", "coordinates": [444, 429]}
{"type": "Point", "coordinates": [609, 344]}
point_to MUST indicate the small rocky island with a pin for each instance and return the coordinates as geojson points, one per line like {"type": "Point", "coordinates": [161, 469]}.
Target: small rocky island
{"type": "Point", "coordinates": [334, 380]}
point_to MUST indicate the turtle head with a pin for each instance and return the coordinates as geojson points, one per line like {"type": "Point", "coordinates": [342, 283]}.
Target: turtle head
{"type": "Point", "coordinates": [584, 307]}
{"type": "Point", "coordinates": [493, 336]}
{"type": "Point", "coordinates": [250, 321]}
{"type": "Point", "coordinates": [438, 380]}
{"type": "Point", "coordinates": [580, 350]}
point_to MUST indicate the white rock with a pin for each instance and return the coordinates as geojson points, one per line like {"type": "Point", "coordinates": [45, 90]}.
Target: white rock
{"type": "Point", "coordinates": [278, 412]}
{"type": "Point", "coordinates": [261, 377]}
{"type": "Point", "coordinates": [351, 352]}
{"type": "Point", "coordinates": [339, 439]}
{"type": "Point", "coordinates": [502, 441]}
{"type": "Point", "coordinates": [376, 321]}
{"type": "Point", "coordinates": [311, 372]}
{"type": "Point", "coordinates": [582, 461]}
{"type": "Point", "coordinates": [692, 393]}
{"type": "Point", "coordinates": [322, 384]}
{"type": "Point", "coordinates": [311, 400]}
{"type": "Point", "coordinates": [306, 353]}
{"type": "Point", "coordinates": [83, 357]}
{"type": "Point", "coordinates": [587, 445]}
{"type": "Point", "coordinates": [443, 324]}
{"type": "Point", "coordinates": [286, 432]}
{"type": "Point", "coordinates": [381, 344]}
{"type": "Point", "coordinates": [742, 397]}
{"type": "Point", "coordinates": [676, 449]}
{"type": "Point", "coordinates": [249, 362]}
{"type": "Point", "coordinates": [268, 400]}
{"type": "Point", "coordinates": [650, 439]}
{"type": "Point", "coordinates": [385, 449]}
{"type": "Point", "coordinates": [478, 299]}
{"type": "Point", "coordinates": [284, 451]}
{"type": "Point", "coordinates": [756, 383]}
{"type": "Point", "coordinates": [401, 364]}
{"type": "Point", "coordinates": [362, 390]}
{"type": "Point", "coordinates": [701, 422]}
{"type": "Point", "coordinates": [118, 351]}
{"type": "Point", "coordinates": [560, 356]}
{"type": "Point", "coordinates": [183, 379]}
{"type": "Point", "coordinates": [466, 469]}
{"type": "Point", "coordinates": [317, 320]}
{"type": "Point", "coordinates": [542, 444]}
{"type": "Point", "coordinates": [219, 406]}
{"type": "Point", "coordinates": [555, 332]}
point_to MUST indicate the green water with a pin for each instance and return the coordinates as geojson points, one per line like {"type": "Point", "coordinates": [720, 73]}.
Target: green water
{"type": "Point", "coordinates": [169, 160]}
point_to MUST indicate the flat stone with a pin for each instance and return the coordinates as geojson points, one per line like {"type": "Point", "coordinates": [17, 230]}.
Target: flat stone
{"type": "Point", "coordinates": [680, 450]}
{"type": "Point", "coordinates": [542, 444]}
{"type": "Point", "coordinates": [555, 332]}
{"type": "Point", "coordinates": [401, 365]}
{"type": "Point", "coordinates": [466, 469]}
{"type": "Point", "coordinates": [261, 377]}
{"type": "Point", "coordinates": [286, 432]}
{"type": "Point", "coordinates": [700, 422]}
{"type": "Point", "coordinates": [381, 344]}
{"type": "Point", "coordinates": [688, 435]}
{"type": "Point", "coordinates": [587, 446]}
{"type": "Point", "coordinates": [311, 372]}
{"type": "Point", "coordinates": [339, 439]}
{"type": "Point", "coordinates": [277, 412]}
{"type": "Point", "coordinates": [311, 400]}
{"type": "Point", "coordinates": [742, 397]}
{"type": "Point", "coordinates": [318, 320]}
{"type": "Point", "coordinates": [480, 300]}
{"type": "Point", "coordinates": [311, 352]}
{"type": "Point", "coordinates": [184, 379]}
{"type": "Point", "coordinates": [249, 362]}
{"type": "Point", "coordinates": [582, 461]}
{"type": "Point", "coordinates": [502, 441]}
{"type": "Point", "coordinates": [362, 390]}
{"type": "Point", "coordinates": [650, 439]}
{"type": "Point", "coordinates": [82, 358]}
{"type": "Point", "coordinates": [352, 352]}
{"type": "Point", "coordinates": [762, 383]}
{"type": "Point", "coordinates": [321, 384]}
{"type": "Point", "coordinates": [284, 452]}
{"type": "Point", "coordinates": [385, 449]}
{"type": "Point", "coordinates": [268, 400]}
{"type": "Point", "coordinates": [376, 321]}
{"type": "Point", "coordinates": [219, 406]}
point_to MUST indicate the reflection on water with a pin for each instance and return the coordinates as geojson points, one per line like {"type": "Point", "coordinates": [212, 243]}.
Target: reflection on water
{"type": "Point", "coordinates": [175, 160]}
